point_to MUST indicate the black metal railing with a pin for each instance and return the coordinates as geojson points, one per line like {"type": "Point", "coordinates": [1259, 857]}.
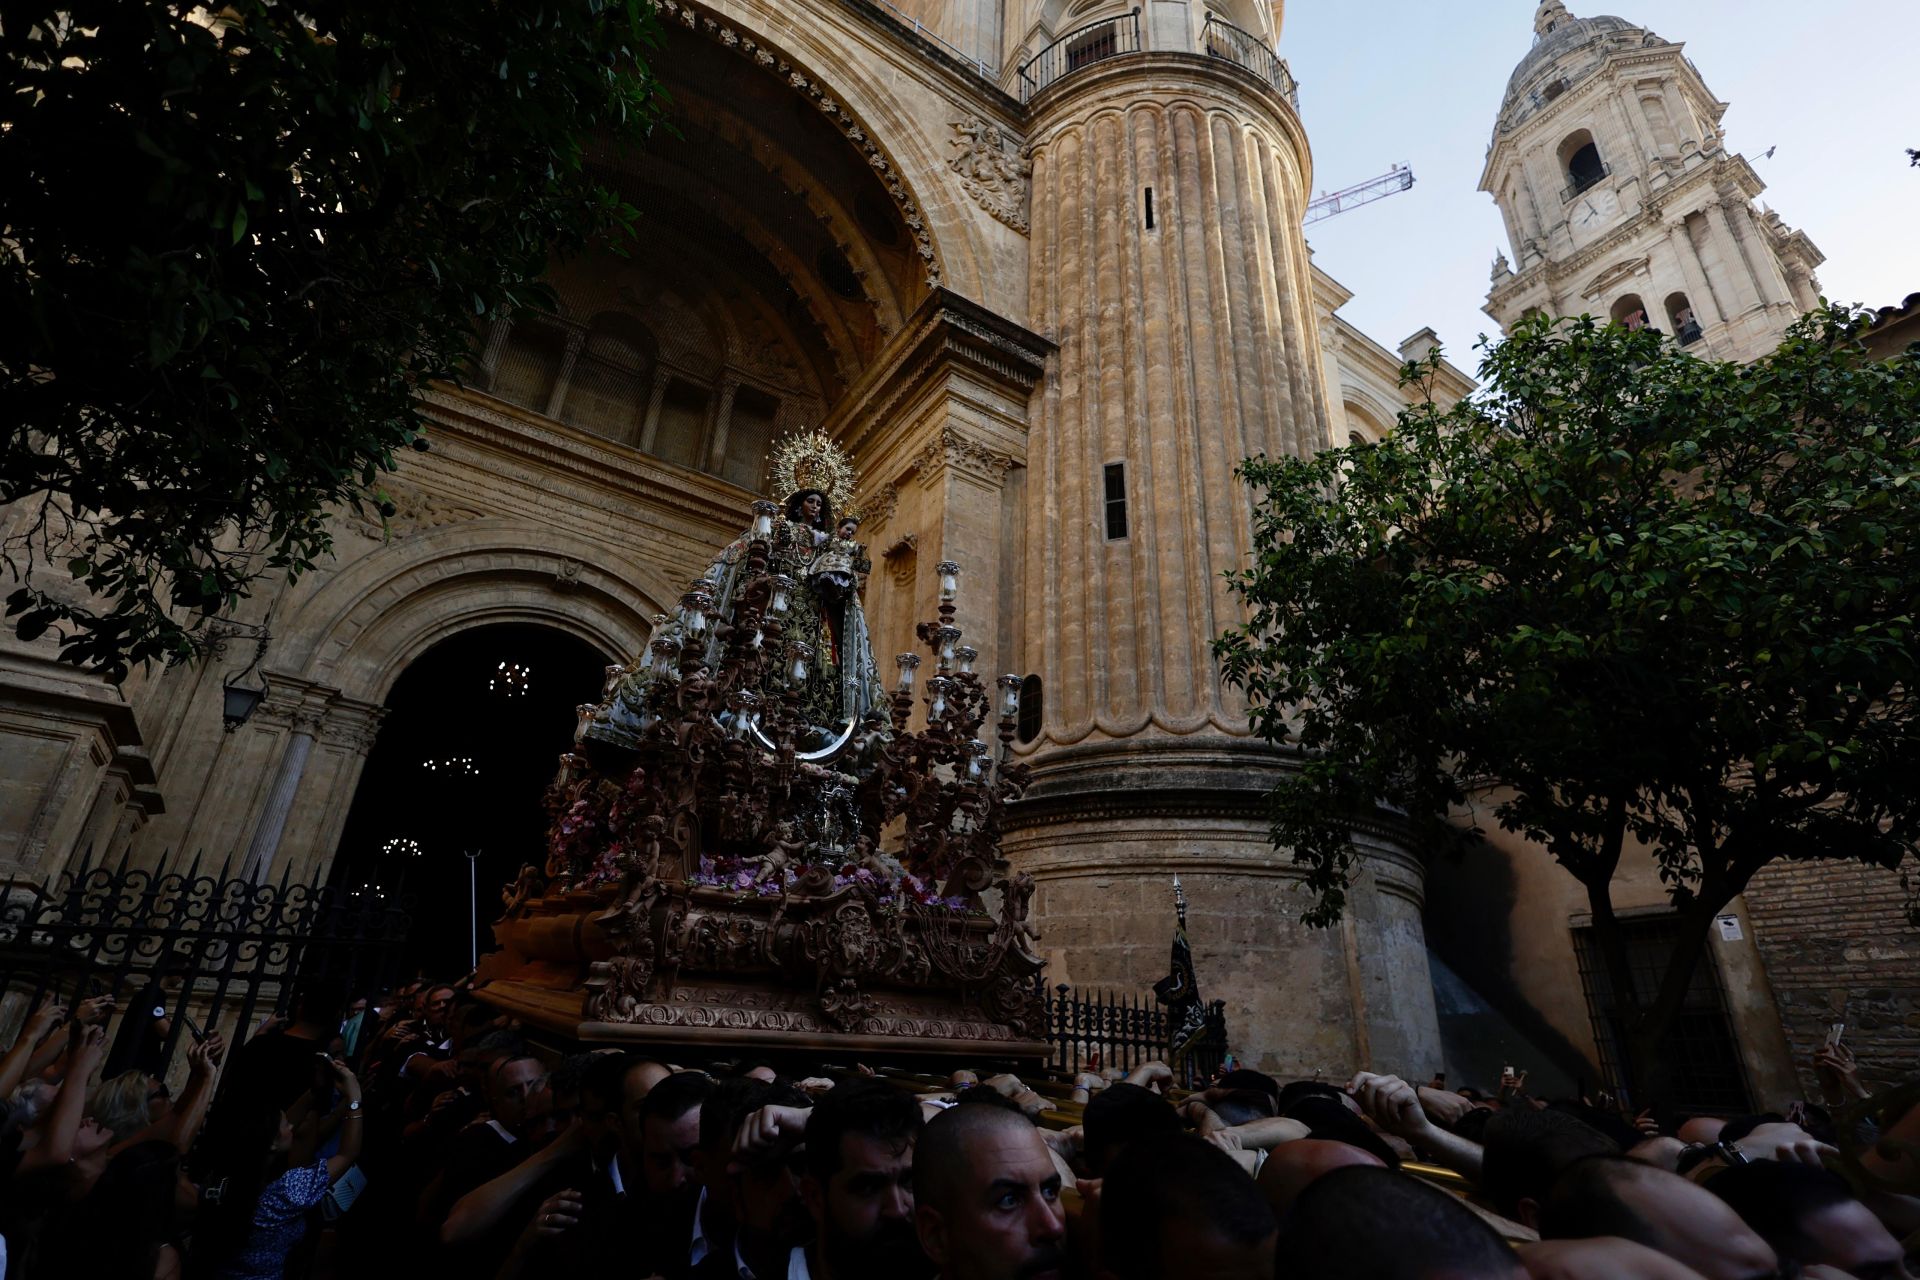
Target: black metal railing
{"type": "Point", "coordinates": [1080, 47]}
{"type": "Point", "coordinates": [1584, 181]}
{"type": "Point", "coordinates": [1102, 1029]}
{"type": "Point", "coordinates": [1688, 333]}
{"type": "Point", "coordinates": [190, 942]}
{"type": "Point", "coordinates": [1243, 48]}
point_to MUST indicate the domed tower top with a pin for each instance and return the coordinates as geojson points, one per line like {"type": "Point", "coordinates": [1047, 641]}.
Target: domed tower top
{"type": "Point", "coordinates": [1550, 14]}
{"type": "Point", "coordinates": [1621, 201]}
{"type": "Point", "coordinates": [1566, 50]}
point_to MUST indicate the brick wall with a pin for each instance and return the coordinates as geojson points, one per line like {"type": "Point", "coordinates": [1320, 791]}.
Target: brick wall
{"type": "Point", "coordinates": [1838, 948]}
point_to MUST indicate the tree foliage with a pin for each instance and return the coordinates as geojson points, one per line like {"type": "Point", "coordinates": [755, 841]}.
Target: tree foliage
{"type": "Point", "coordinates": [233, 249]}
{"type": "Point", "coordinates": [1662, 600]}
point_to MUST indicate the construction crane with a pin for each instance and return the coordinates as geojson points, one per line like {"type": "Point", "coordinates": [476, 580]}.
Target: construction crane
{"type": "Point", "coordinates": [1395, 180]}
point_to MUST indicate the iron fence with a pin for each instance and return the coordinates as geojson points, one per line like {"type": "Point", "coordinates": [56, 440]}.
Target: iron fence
{"type": "Point", "coordinates": [190, 942]}
{"type": "Point", "coordinates": [1107, 38]}
{"type": "Point", "coordinates": [1244, 49]}
{"type": "Point", "coordinates": [1093, 1030]}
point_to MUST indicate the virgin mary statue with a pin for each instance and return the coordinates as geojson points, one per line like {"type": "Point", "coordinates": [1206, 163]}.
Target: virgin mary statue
{"type": "Point", "coordinates": [821, 556]}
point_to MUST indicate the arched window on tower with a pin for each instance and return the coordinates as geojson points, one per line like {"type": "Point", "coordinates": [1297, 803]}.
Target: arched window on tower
{"type": "Point", "coordinates": [1580, 161]}
{"type": "Point", "coordinates": [1630, 312]}
{"type": "Point", "coordinates": [608, 392]}
{"type": "Point", "coordinates": [1686, 326]}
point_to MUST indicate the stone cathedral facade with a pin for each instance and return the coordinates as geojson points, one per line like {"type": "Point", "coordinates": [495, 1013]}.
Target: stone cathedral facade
{"type": "Point", "coordinates": [1038, 266]}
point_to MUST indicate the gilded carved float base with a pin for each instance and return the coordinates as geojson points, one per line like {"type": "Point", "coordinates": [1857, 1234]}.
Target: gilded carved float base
{"type": "Point", "coordinates": [851, 974]}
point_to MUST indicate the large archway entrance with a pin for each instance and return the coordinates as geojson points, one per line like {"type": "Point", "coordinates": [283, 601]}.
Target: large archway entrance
{"type": "Point", "coordinates": [474, 729]}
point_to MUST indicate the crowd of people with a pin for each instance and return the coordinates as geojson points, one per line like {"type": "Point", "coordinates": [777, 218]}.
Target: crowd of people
{"type": "Point", "coordinates": [473, 1153]}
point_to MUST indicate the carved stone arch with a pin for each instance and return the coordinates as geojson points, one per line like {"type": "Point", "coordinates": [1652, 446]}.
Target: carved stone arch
{"type": "Point", "coordinates": [361, 629]}
{"type": "Point", "coordinates": [865, 112]}
{"type": "Point", "coordinates": [830, 206]}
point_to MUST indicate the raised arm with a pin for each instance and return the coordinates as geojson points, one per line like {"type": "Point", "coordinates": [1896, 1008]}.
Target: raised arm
{"type": "Point", "coordinates": [352, 1120]}
{"type": "Point", "coordinates": [40, 1025]}
{"type": "Point", "coordinates": [477, 1211]}
{"type": "Point", "coordinates": [63, 1121]}
{"type": "Point", "coordinates": [1394, 1105]}
{"type": "Point", "coordinates": [203, 1071]}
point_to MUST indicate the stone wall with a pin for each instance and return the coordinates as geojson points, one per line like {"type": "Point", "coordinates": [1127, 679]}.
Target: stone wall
{"type": "Point", "coordinates": [1838, 948]}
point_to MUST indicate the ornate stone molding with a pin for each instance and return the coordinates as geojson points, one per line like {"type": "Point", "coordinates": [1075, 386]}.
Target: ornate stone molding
{"type": "Point", "coordinates": [992, 170]}
{"type": "Point", "coordinates": [947, 334]}
{"type": "Point", "coordinates": [953, 449]}
{"type": "Point", "coordinates": [770, 61]}
{"type": "Point", "coordinates": [414, 510]}
{"type": "Point", "coordinates": [877, 506]}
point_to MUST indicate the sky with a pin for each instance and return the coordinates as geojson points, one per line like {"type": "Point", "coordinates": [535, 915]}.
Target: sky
{"type": "Point", "coordinates": [1827, 83]}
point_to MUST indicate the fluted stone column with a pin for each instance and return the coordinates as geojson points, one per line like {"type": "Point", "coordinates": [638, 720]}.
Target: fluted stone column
{"type": "Point", "coordinates": [286, 784]}
{"type": "Point", "coordinates": [1184, 347]}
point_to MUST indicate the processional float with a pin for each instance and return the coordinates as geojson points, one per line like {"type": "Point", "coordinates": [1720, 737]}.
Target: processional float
{"type": "Point", "coordinates": [750, 845]}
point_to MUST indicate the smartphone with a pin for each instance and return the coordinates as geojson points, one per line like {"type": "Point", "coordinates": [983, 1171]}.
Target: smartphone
{"type": "Point", "coordinates": [1835, 1034]}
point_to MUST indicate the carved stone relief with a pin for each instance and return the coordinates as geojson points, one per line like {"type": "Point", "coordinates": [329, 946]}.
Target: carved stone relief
{"type": "Point", "coordinates": [992, 170]}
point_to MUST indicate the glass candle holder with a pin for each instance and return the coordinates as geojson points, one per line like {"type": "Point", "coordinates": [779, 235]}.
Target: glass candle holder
{"type": "Point", "coordinates": [947, 639]}
{"type": "Point", "coordinates": [908, 663]}
{"type": "Point", "coordinates": [1009, 695]}
{"type": "Point", "coordinates": [664, 652]}
{"type": "Point", "coordinates": [964, 658]}
{"type": "Point", "coordinates": [801, 654]}
{"type": "Point", "coordinates": [693, 608]}
{"type": "Point", "coordinates": [949, 580]}
{"type": "Point", "coordinates": [763, 514]}
{"type": "Point", "coordinates": [782, 591]}
{"type": "Point", "coordinates": [937, 689]}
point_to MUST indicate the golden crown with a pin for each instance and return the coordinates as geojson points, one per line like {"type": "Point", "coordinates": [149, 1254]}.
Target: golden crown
{"type": "Point", "coordinates": [809, 460]}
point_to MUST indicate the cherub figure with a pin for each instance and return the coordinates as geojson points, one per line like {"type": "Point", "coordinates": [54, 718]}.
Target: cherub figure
{"type": "Point", "coordinates": [867, 857]}
{"type": "Point", "coordinates": [1018, 910]}
{"type": "Point", "coordinates": [781, 850]}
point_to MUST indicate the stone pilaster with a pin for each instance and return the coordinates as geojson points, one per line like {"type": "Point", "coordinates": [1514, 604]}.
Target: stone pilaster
{"type": "Point", "coordinates": [937, 428]}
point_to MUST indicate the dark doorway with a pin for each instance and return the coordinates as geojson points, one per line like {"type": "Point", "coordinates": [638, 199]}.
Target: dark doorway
{"type": "Point", "coordinates": [474, 731]}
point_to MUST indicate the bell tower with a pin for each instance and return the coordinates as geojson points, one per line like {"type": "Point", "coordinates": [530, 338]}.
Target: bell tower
{"type": "Point", "coordinates": [1621, 200]}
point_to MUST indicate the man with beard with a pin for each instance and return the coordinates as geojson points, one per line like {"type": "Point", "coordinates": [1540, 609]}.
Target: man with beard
{"type": "Point", "coordinates": [858, 1187]}
{"type": "Point", "coordinates": [987, 1197]}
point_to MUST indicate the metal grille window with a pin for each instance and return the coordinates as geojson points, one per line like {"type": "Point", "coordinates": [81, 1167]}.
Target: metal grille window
{"type": "Point", "coordinates": [1116, 494]}
{"type": "Point", "coordinates": [1708, 1075]}
{"type": "Point", "coordinates": [1031, 709]}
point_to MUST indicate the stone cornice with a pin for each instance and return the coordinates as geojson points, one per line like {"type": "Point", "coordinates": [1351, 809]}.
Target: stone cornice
{"type": "Point", "coordinates": [1117, 76]}
{"type": "Point", "coordinates": [948, 333]}
{"type": "Point", "coordinates": [545, 447]}
{"type": "Point", "coordinates": [1656, 209]}
{"type": "Point", "coordinates": [965, 75]}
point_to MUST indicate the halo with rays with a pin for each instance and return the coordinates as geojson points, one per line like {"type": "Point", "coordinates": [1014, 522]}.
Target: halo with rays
{"type": "Point", "coordinates": [810, 460]}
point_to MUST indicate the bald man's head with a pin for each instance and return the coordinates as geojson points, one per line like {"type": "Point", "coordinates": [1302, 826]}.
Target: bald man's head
{"type": "Point", "coordinates": [1292, 1167]}
{"type": "Point", "coordinates": [1615, 1196]}
{"type": "Point", "coordinates": [940, 1157]}
{"type": "Point", "coordinates": [987, 1197]}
